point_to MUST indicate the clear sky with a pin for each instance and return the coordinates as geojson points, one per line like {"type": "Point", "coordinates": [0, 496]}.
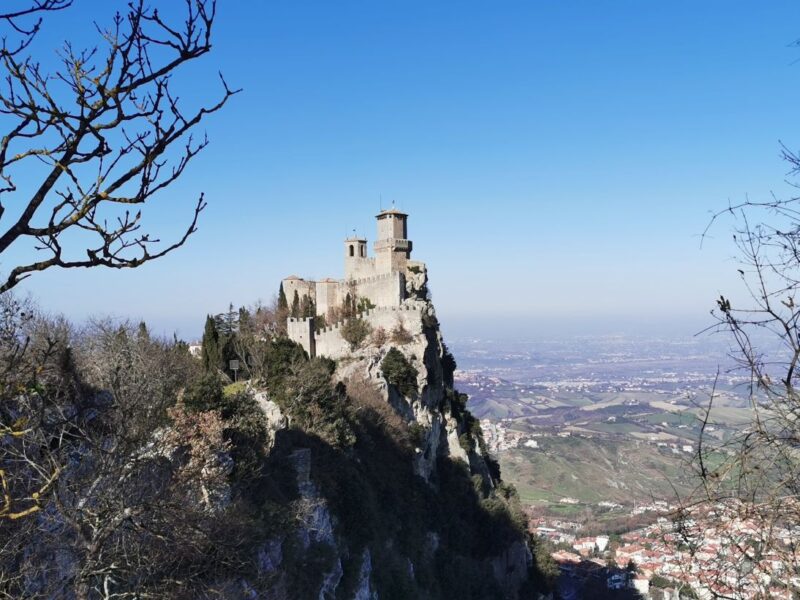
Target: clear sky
{"type": "Point", "coordinates": [558, 159]}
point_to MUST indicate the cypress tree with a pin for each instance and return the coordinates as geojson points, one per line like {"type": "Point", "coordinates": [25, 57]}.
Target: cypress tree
{"type": "Point", "coordinates": [211, 352]}
{"type": "Point", "coordinates": [348, 306]}
{"type": "Point", "coordinates": [307, 308]}
{"type": "Point", "coordinates": [282, 303]}
{"type": "Point", "coordinates": [296, 305]}
{"type": "Point", "coordinates": [245, 320]}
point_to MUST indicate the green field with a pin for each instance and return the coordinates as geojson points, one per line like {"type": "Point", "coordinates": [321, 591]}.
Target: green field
{"type": "Point", "coordinates": [593, 470]}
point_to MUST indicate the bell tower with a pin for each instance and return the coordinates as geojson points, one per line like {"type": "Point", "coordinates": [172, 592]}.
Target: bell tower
{"type": "Point", "coordinates": [356, 263]}
{"type": "Point", "coordinates": [392, 248]}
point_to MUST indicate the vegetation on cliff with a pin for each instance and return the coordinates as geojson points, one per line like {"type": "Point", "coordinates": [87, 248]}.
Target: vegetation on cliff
{"type": "Point", "coordinates": [130, 468]}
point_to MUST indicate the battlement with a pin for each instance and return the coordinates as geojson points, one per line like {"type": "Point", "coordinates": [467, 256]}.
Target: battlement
{"type": "Point", "coordinates": [374, 278]}
{"type": "Point", "coordinates": [330, 342]}
{"type": "Point", "coordinates": [366, 314]}
{"type": "Point", "coordinates": [300, 319]}
{"type": "Point", "coordinates": [302, 331]}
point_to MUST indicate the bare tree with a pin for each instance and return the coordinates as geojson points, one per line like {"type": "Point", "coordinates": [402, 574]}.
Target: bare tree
{"type": "Point", "coordinates": [750, 483]}
{"type": "Point", "coordinates": [103, 134]}
{"type": "Point", "coordinates": [102, 469]}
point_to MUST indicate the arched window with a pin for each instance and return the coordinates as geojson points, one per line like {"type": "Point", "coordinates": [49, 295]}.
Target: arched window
{"type": "Point", "coordinates": [363, 251]}
{"type": "Point", "coordinates": [352, 250]}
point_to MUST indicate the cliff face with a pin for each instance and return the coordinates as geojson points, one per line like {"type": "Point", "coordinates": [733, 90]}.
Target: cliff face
{"type": "Point", "coordinates": [414, 508]}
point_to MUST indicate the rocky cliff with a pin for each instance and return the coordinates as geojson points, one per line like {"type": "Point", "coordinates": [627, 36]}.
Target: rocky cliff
{"type": "Point", "coordinates": [140, 474]}
{"type": "Point", "coordinates": [410, 506]}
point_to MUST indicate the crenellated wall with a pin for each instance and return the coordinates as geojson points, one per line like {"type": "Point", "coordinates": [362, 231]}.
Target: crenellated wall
{"type": "Point", "coordinates": [382, 290]}
{"type": "Point", "coordinates": [330, 343]}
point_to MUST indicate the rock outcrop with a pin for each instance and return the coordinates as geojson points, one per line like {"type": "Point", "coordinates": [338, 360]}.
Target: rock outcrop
{"type": "Point", "coordinates": [444, 436]}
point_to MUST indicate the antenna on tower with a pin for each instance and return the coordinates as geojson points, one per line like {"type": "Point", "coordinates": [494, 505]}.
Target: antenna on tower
{"type": "Point", "coordinates": [381, 202]}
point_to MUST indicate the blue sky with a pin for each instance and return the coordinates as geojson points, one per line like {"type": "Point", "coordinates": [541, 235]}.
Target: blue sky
{"type": "Point", "coordinates": [559, 159]}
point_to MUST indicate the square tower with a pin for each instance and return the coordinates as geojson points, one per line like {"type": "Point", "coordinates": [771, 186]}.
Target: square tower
{"type": "Point", "coordinates": [392, 248]}
{"type": "Point", "coordinates": [357, 264]}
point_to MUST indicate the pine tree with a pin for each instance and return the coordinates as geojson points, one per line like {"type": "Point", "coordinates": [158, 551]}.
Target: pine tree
{"type": "Point", "coordinates": [296, 305]}
{"type": "Point", "coordinates": [211, 353]}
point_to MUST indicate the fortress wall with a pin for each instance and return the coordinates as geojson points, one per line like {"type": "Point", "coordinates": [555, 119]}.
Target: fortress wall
{"type": "Point", "coordinates": [301, 286]}
{"type": "Point", "coordinates": [329, 342]}
{"type": "Point", "coordinates": [389, 317]}
{"type": "Point", "coordinates": [329, 295]}
{"type": "Point", "coordinates": [382, 290]}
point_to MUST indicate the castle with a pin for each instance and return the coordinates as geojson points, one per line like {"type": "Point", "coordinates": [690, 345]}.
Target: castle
{"type": "Point", "coordinates": [380, 284]}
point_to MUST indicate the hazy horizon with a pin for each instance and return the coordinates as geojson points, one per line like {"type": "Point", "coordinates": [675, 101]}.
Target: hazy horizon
{"type": "Point", "coordinates": [559, 161]}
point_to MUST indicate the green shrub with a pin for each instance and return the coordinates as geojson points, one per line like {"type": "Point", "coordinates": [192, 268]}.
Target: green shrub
{"type": "Point", "coordinates": [355, 331]}
{"type": "Point", "coordinates": [363, 305]}
{"type": "Point", "coordinates": [400, 373]}
{"type": "Point", "coordinates": [279, 358]}
{"type": "Point", "coordinates": [203, 394]}
{"type": "Point", "coordinates": [234, 389]}
{"type": "Point", "coordinates": [314, 404]}
{"type": "Point", "coordinates": [466, 442]}
{"type": "Point", "coordinates": [417, 434]}
{"type": "Point", "coordinates": [448, 367]}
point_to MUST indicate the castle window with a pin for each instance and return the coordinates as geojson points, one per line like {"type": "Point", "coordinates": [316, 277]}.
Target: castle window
{"type": "Point", "coordinates": [352, 251]}
{"type": "Point", "coordinates": [363, 251]}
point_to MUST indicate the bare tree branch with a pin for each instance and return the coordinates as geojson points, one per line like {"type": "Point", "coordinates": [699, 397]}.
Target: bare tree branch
{"type": "Point", "coordinates": [106, 131]}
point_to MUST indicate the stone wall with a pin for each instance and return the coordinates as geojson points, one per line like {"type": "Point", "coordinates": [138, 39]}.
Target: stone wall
{"type": "Point", "coordinates": [382, 290]}
{"type": "Point", "coordinates": [329, 341]}
{"type": "Point", "coordinates": [329, 295]}
{"type": "Point", "coordinates": [301, 286]}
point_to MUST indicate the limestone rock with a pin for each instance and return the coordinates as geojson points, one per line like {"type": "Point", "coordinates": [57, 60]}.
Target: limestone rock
{"type": "Point", "coordinates": [275, 420]}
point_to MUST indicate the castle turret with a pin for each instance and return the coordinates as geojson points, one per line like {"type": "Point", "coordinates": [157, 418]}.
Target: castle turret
{"type": "Point", "coordinates": [392, 248]}
{"type": "Point", "coordinates": [302, 332]}
{"type": "Point", "coordinates": [356, 263]}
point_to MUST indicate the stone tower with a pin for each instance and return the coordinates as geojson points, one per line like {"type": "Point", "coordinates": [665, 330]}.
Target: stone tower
{"type": "Point", "coordinates": [356, 263]}
{"type": "Point", "coordinates": [302, 332]}
{"type": "Point", "coordinates": [392, 248]}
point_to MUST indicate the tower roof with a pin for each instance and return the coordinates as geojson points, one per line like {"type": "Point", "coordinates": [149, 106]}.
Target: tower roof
{"type": "Point", "coordinates": [390, 211]}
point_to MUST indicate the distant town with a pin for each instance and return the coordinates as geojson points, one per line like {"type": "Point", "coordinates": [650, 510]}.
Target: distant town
{"type": "Point", "coordinates": [635, 407]}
